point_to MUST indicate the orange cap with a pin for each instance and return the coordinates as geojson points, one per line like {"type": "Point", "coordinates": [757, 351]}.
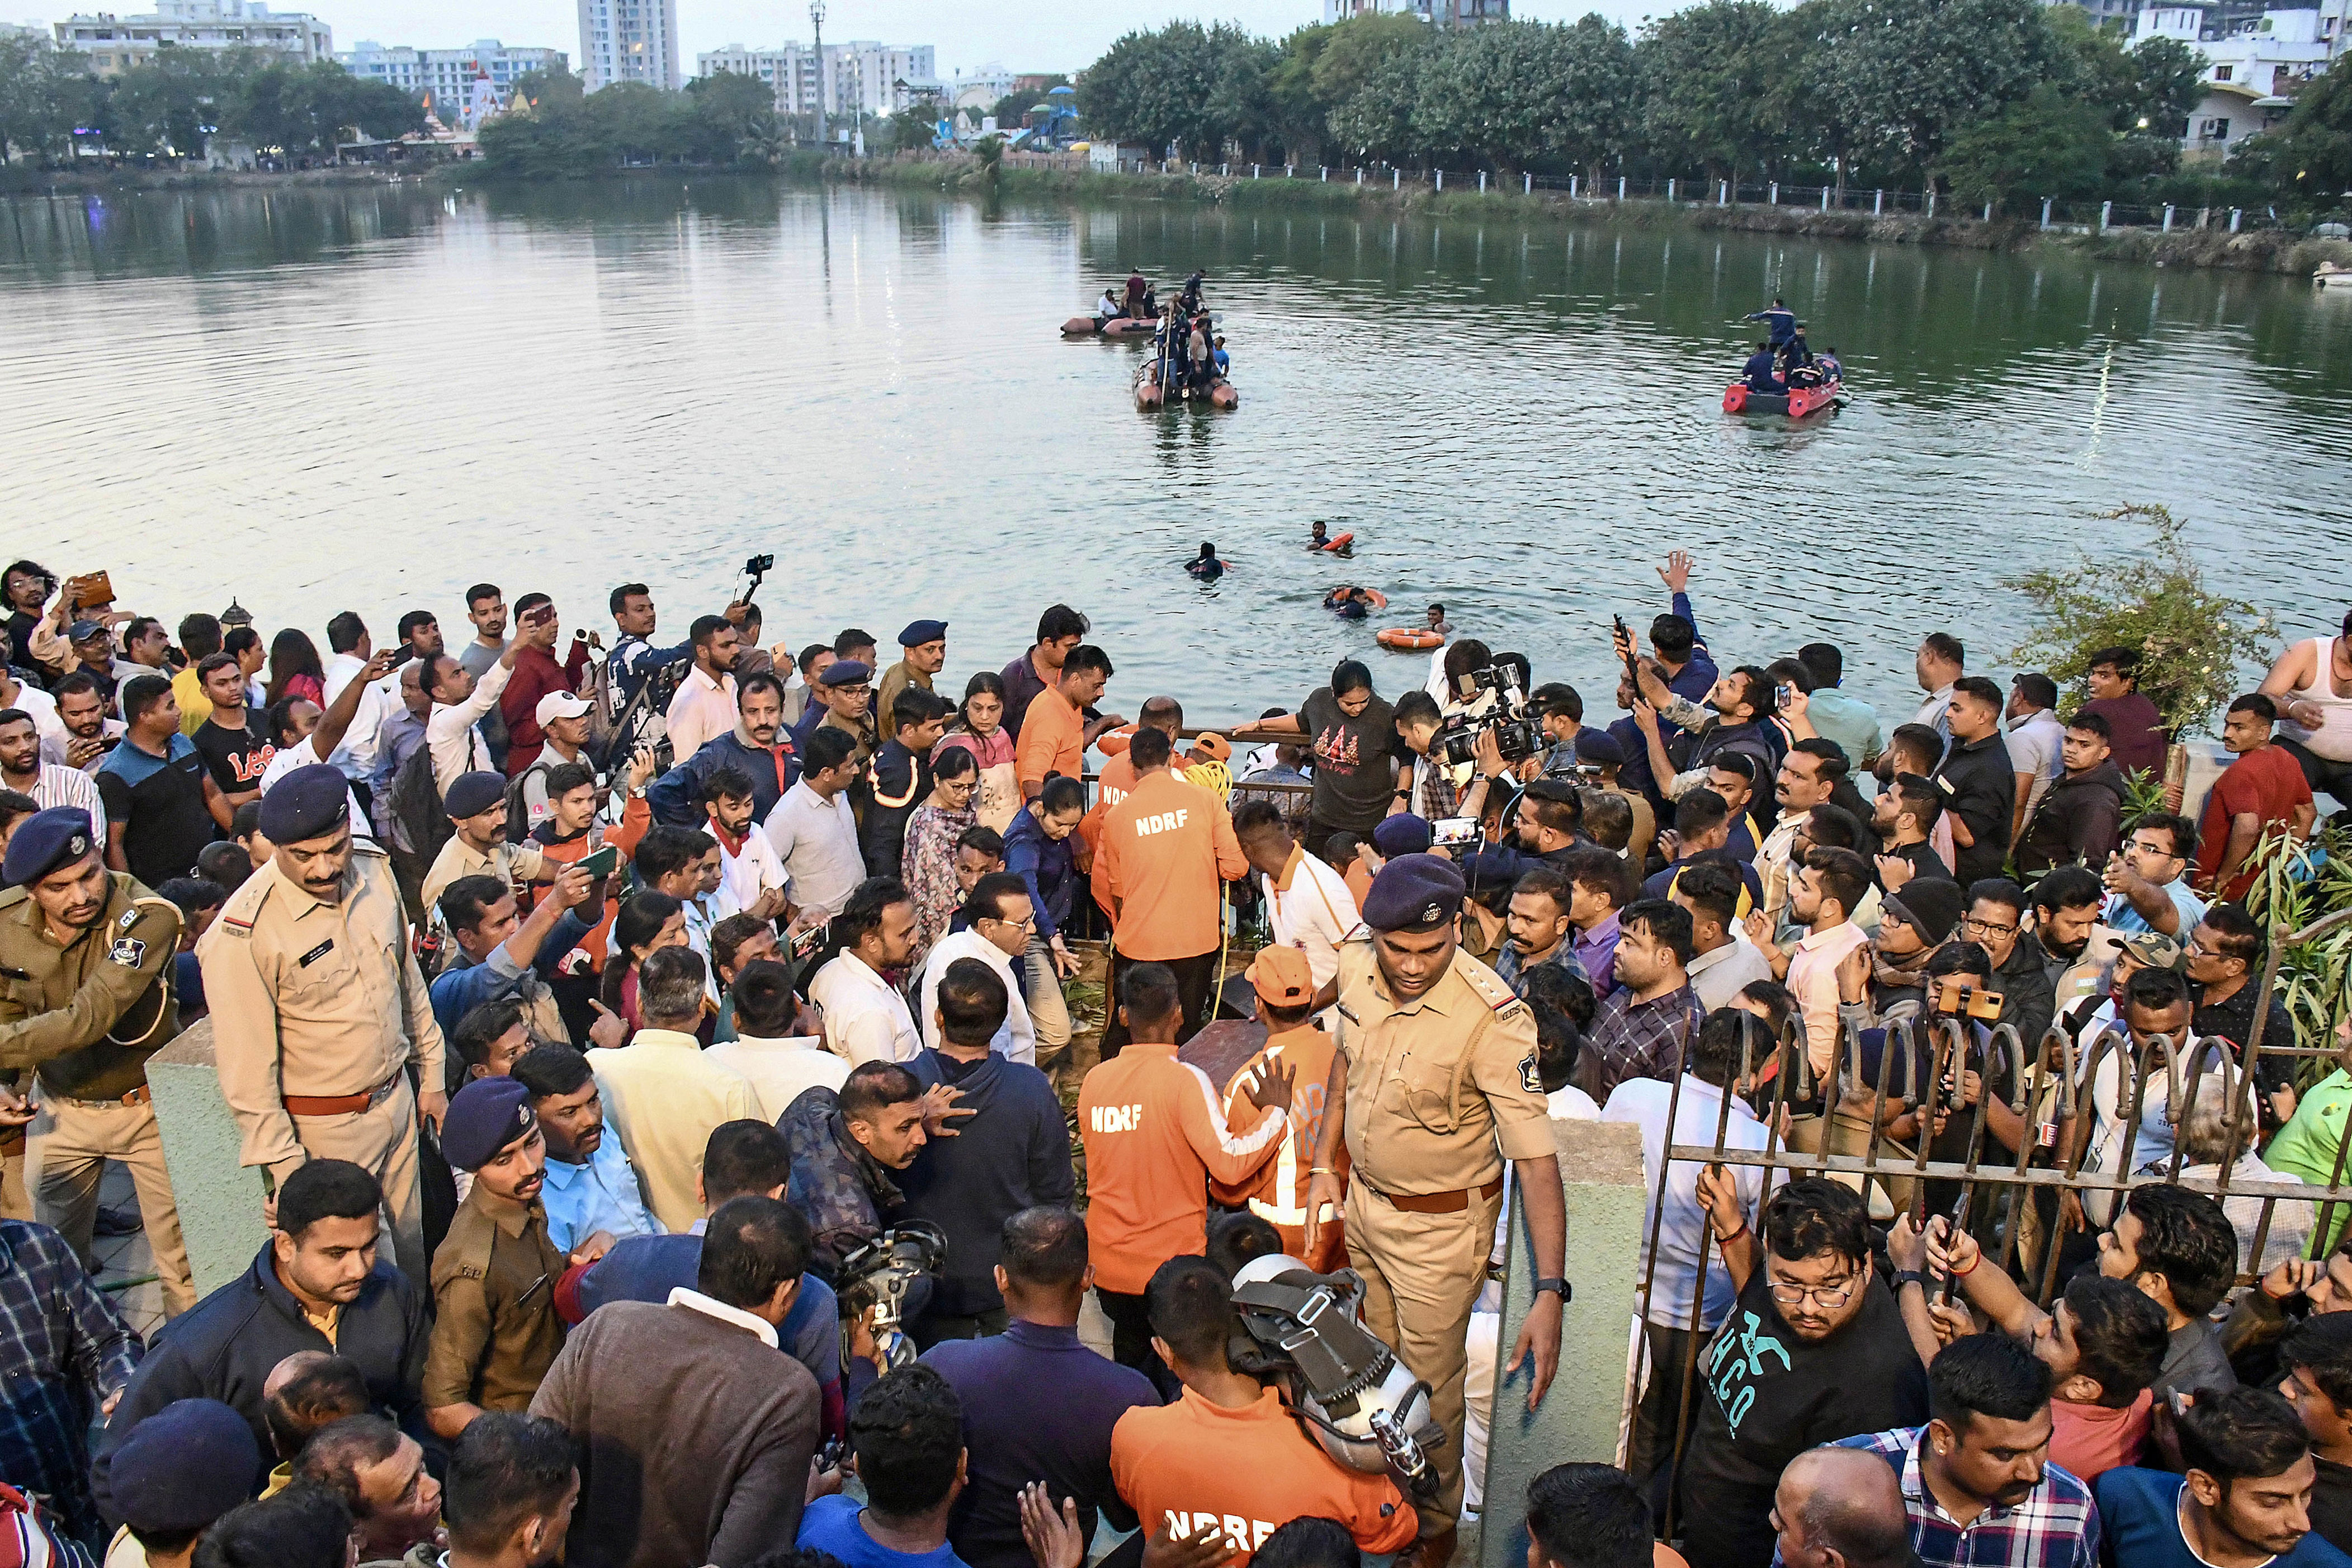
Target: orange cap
{"type": "Point", "coordinates": [1215, 747]}
{"type": "Point", "coordinates": [1282, 977]}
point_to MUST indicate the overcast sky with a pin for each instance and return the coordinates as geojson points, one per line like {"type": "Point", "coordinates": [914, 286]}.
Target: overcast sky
{"type": "Point", "coordinates": [1038, 35]}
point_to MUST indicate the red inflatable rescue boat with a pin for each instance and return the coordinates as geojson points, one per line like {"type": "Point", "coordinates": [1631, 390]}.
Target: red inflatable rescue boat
{"type": "Point", "coordinates": [1741, 399]}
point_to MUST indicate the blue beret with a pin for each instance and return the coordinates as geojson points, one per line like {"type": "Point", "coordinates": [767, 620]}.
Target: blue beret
{"type": "Point", "coordinates": [185, 1466]}
{"type": "Point", "coordinates": [1413, 892]}
{"type": "Point", "coordinates": [311, 802]}
{"type": "Point", "coordinates": [45, 841]}
{"type": "Point", "coordinates": [1598, 746]}
{"type": "Point", "coordinates": [1403, 833]}
{"type": "Point", "coordinates": [918, 633]}
{"type": "Point", "coordinates": [488, 1114]}
{"type": "Point", "coordinates": [470, 795]}
{"type": "Point", "coordinates": [844, 672]}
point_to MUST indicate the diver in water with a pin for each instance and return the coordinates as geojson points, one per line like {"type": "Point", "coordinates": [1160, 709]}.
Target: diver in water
{"type": "Point", "coordinates": [1206, 566]}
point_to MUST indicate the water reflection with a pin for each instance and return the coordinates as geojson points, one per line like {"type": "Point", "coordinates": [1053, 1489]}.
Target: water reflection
{"type": "Point", "coordinates": [317, 397]}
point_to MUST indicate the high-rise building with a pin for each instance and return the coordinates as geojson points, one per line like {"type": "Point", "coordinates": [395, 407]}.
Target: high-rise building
{"type": "Point", "coordinates": [115, 43]}
{"type": "Point", "coordinates": [857, 78]}
{"type": "Point", "coordinates": [630, 40]}
{"type": "Point", "coordinates": [449, 75]}
{"type": "Point", "coordinates": [1438, 13]}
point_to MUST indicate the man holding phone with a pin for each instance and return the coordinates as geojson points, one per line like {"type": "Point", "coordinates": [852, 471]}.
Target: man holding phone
{"type": "Point", "coordinates": [537, 675]}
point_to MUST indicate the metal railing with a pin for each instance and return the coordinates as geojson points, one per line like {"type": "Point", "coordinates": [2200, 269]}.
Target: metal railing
{"type": "Point", "coordinates": [2053, 1091]}
{"type": "Point", "coordinates": [1702, 190]}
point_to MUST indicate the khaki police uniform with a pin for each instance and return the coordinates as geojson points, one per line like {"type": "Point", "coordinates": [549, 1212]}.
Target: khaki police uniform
{"type": "Point", "coordinates": [1441, 1090]}
{"type": "Point", "coordinates": [510, 863]}
{"type": "Point", "coordinates": [86, 1017]}
{"type": "Point", "coordinates": [495, 1329]}
{"type": "Point", "coordinates": [319, 1011]}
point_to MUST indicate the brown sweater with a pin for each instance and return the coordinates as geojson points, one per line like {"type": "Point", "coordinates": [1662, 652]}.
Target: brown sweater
{"type": "Point", "coordinates": [695, 1439]}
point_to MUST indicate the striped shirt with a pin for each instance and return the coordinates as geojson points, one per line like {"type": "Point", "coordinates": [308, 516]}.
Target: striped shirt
{"type": "Point", "coordinates": [2057, 1525]}
{"type": "Point", "coordinates": [71, 786]}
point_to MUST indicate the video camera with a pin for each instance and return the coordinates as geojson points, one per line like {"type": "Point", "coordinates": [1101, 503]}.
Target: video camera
{"type": "Point", "coordinates": [1519, 733]}
{"type": "Point", "coordinates": [882, 1274]}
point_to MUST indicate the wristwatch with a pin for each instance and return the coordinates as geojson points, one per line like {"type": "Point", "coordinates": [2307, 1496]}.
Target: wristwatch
{"type": "Point", "coordinates": [1909, 1276]}
{"type": "Point", "coordinates": [1558, 1286]}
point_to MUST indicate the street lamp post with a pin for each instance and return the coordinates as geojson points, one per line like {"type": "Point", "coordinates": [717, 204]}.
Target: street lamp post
{"type": "Point", "coordinates": [816, 22]}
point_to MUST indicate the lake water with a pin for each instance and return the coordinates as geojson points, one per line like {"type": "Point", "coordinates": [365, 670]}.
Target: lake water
{"type": "Point", "coordinates": [316, 399]}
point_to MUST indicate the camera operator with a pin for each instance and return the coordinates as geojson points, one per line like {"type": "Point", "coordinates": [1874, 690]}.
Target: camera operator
{"type": "Point", "coordinates": [1427, 1183]}
{"type": "Point", "coordinates": [1547, 823]}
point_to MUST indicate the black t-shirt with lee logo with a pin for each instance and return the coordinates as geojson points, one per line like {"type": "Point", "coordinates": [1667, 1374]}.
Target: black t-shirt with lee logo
{"type": "Point", "coordinates": [236, 756]}
{"type": "Point", "coordinates": [1765, 1396]}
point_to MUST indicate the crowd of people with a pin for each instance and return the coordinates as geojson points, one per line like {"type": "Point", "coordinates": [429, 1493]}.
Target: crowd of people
{"type": "Point", "coordinates": [669, 1077]}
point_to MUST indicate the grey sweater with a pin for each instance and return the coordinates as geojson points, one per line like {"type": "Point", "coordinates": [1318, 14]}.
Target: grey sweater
{"type": "Point", "coordinates": [695, 1438]}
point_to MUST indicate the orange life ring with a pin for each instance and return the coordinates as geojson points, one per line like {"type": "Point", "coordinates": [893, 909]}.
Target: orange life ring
{"type": "Point", "coordinates": [1403, 638]}
{"type": "Point", "coordinates": [1337, 542]}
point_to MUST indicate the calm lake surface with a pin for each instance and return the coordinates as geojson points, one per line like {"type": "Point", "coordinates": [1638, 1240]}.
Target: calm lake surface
{"type": "Point", "coordinates": [320, 399]}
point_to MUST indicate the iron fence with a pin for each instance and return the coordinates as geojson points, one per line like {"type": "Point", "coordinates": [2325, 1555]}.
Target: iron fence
{"type": "Point", "coordinates": [2013, 1205]}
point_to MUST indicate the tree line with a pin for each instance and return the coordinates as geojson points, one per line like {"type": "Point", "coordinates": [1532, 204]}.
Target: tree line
{"type": "Point", "coordinates": [49, 98]}
{"type": "Point", "coordinates": [1998, 101]}
{"type": "Point", "coordinates": [718, 121]}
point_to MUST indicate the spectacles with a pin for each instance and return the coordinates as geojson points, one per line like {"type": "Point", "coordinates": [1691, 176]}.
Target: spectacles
{"type": "Point", "coordinates": [1029, 923]}
{"type": "Point", "coordinates": [1829, 1297]}
{"type": "Point", "coordinates": [2161, 852]}
{"type": "Point", "coordinates": [1986, 928]}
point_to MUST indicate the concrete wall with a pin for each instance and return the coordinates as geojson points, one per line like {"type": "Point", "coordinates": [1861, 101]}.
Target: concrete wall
{"type": "Point", "coordinates": [1600, 1166]}
{"type": "Point", "coordinates": [220, 1201]}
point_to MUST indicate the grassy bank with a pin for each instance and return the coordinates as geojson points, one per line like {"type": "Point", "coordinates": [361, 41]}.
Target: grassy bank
{"type": "Point", "coordinates": [2266, 250]}
{"type": "Point", "coordinates": [24, 180]}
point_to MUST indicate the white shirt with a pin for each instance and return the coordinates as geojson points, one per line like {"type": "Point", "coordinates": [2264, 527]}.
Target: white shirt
{"type": "Point", "coordinates": [2035, 742]}
{"type": "Point", "coordinates": [41, 708]}
{"type": "Point", "coordinates": [1934, 712]}
{"type": "Point", "coordinates": [720, 1311]}
{"type": "Point", "coordinates": [1682, 1222]}
{"type": "Point", "coordinates": [744, 876]}
{"type": "Point", "coordinates": [865, 1019]}
{"type": "Point", "coordinates": [53, 744]}
{"type": "Point", "coordinates": [2111, 1090]}
{"type": "Point", "coordinates": [1017, 1038]}
{"type": "Point", "coordinates": [818, 843]}
{"type": "Point", "coordinates": [458, 747]}
{"type": "Point", "coordinates": [58, 785]}
{"type": "Point", "coordinates": [779, 1072]}
{"type": "Point", "coordinates": [356, 755]}
{"type": "Point", "coordinates": [1314, 913]}
{"type": "Point", "coordinates": [303, 755]}
{"type": "Point", "coordinates": [1722, 974]}
{"type": "Point", "coordinates": [702, 710]}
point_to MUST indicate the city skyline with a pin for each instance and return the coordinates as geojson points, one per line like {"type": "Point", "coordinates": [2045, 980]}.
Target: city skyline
{"type": "Point", "coordinates": [1052, 35]}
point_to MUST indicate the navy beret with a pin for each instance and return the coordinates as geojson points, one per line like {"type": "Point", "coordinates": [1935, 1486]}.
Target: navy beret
{"type": "Point", "coordinates": [1413, 892]}
{"type": "Point", "coordinates": [844, 672]}
{"type": "Point", "coordinates": [486, 1115]}
{"type": "Point", "coordinates": [1403, 833]}
{"type": "Point", "coordinates": [470, 795]}
{"type": "Point", "coordinates": [184, 1466]}
{"type": "Point", "coordinates": [918, 633]}
{"type": "Point", "coordinates": [1598, 746]}
{"type": "Point", "coordinates": [311, 802]}
{"type": "Point", "coordinates": [45, 841]}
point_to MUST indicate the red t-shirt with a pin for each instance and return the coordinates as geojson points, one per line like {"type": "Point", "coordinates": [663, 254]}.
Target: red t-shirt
{"type": "Point", "coordinates": [2091, 1439]}
{"type": "Point", "coordinates": [2266, 781]}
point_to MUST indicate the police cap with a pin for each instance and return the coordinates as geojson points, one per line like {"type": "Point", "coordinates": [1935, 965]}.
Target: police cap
{"type": "Point", "coordinates": [917, 633]}
{"type": "Point", "coordinates": [1598, 747]}
{"type": "Point", "coordinates": [1403, 833]}
{"type": "Point", "coordinates": [309, 803]}
{"type": "Point", "coordinates": [844, 672]}
{"type": "Point", "coordinates": [488, 1114]}
{"type": "Point", "coordinates": [45, 841]}
{"type": "Point", "coordinates": [184, 1466]}
{"type": "Point", "coordinates": [470, 795]}
{"type": "Point", "coordinates": [1413, 892]}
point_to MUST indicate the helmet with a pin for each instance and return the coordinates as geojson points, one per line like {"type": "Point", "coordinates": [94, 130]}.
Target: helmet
{"type": "Point", "coordinates": [1347, 1388]}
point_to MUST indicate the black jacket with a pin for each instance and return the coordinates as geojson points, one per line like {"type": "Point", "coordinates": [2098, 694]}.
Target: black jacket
{"type": "Point", "coordinates": [1979, 788]}
{"type": "Point", "coordinates": [2028, 999]}
{"type": "Point", "coordinates": [2077, 819]}
{"type": "Point", "coordinates": [224, 1347]}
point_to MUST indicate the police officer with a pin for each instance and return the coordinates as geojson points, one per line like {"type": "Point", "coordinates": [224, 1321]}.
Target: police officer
{"type": "Point", "coordinates": [1435, 1073]}
{"type": "Point", "coordinates": [495, 1328]}
{"type": "Point", "coordinates": [320, 1012]}
{"type": "Point", "coordinates": [86, 955]}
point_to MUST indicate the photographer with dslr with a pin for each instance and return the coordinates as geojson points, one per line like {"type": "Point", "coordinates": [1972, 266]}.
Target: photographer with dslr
{"type": "Point", "coordinates": [1545, 826]}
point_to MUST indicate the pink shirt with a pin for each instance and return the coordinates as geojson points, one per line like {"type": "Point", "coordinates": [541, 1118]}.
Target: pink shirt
{"type": "Point", "coordinates": [1813, 980]}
